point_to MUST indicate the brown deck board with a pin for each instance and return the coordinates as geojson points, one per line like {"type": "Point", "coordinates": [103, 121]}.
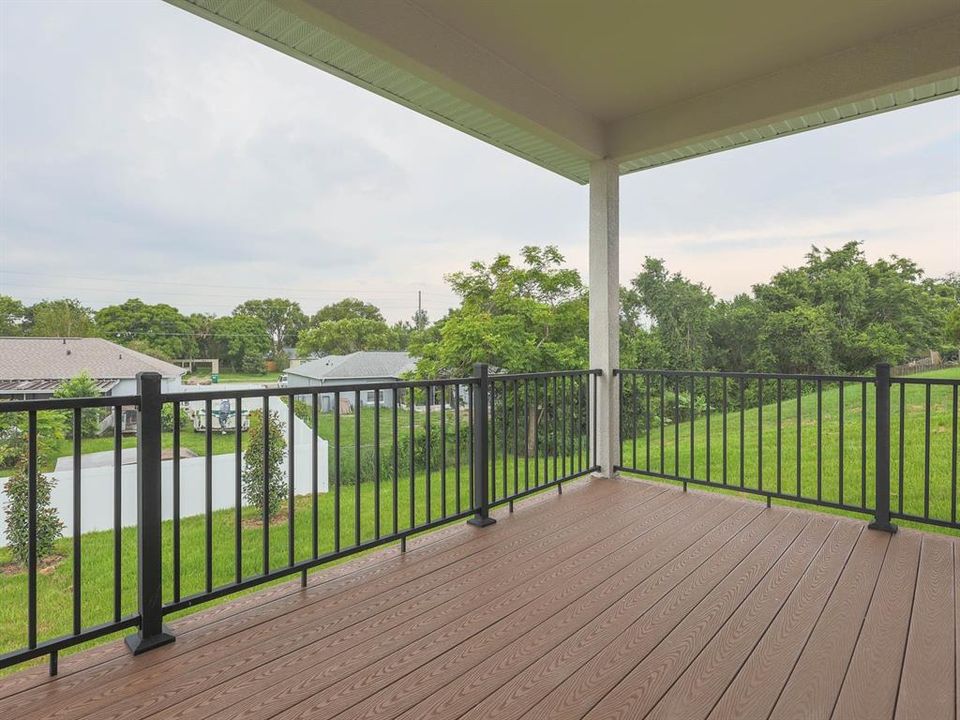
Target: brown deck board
{"type": "Point", "coordinates": [813, 687]}
{"type": "Point", "coordinates": [928, 682]}
{"type": "Point", "coordinates": [869, 690]}
{"type": "Point", "coordinates": [618, 599]}
{"type": "Point", "coordinates": [339, 601]}
{"type": "Point", "coordinates": [217, 662]}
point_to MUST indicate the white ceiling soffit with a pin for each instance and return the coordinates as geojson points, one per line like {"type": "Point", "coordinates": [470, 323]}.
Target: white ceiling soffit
{"type": "Point", "coordinates": [558, 85]}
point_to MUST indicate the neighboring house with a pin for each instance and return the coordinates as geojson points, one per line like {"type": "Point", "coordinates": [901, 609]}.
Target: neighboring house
{"type": "Point", "coordinates": [32, 368]}
{"type": "Point", "coordinates": [359, 368]}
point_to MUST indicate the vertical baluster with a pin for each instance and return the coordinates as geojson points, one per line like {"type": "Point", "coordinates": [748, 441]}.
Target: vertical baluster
{"type": "Point", "coordinates": [819, 439]}
{"type": "Point", "coordinates": [32, 472]}
{"type": "Point", "coordinates": [411, 400]}
{"type": "Point", "coordinates": [799, 435]}
{"type": "Point", "coordinates": [503, 402]}
{"type": "Point", "coordinates": [315, 473]}
{"type": "Point", "coordinates": [693, 415]}
{"type": "Point", "coordinates": [646, 384]}
{"type": "Point", "coordinates": [663, 403]}
{"type": "Point", "coordinates": [457, 448]}
{"type": "Point", "coordinates": [443, 451]}
{"type": "Point", "coordinates": [742, 383]}
{"type": "Point", "coordinates": [357, 534]}
{"type": "Point", "coordinates": [900, 442]}
{"type": "Point", "coordinates": [926, 451]}
{"type": "Point", "coordinates": [594, 411]}
{"type": "Point", "coordinates": [208, 497]}
{"type": "Point", "coordinates": [620, 424]}
{"type": "Point", "coordinates": [516, 440]}
{"type": "Point", "coordinates": [395, 429]}
{"type": "Point", "coordinates": [760, 434]}
{"type": "Point", "coordinates": [636, 377]}
{"type": "Point", "coordinates": [779, 435]}
{"type": "Point", "coordinates": [238, 491]}
{"type": "Point", "coordinates": [492, 438]}
{"type": "Point", "coordinates": [706, 392]}
{"type": "Point", "coordinates": [428, 458]}
{"type": "Point", "coordinates": [376, 464]}
{"type": "Point", "coordinates": [291, 484]}
{"type": "Point", "coordinates": [863, 445]}
{"type": "Point", "coordinates": [117, 510]}
{"type": "Point", "coordinates": [526, 434]}
{"type": "Point", "coordinates": [953, 460]}
{"type": "Point", "coordinates": [336, 472]}
{"type": "Point", "coordinates": [723, 443]}
{"type": "Point", "coordinates": [840, 441]}
{"type": "Point", "coordinates": [265, 515]}
{"type": "Point", "coordinates": [676, 426]}
{"type": "Point", "coordinates": [555, 426]}
{"type": "Point", "coordinates": [77, 546]}
{"type": "Point", "coordinates": [536, 435]}
{"type": "Point", "coordinates": [176, 502]}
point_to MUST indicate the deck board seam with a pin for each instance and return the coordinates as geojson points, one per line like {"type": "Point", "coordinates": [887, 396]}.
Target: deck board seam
{"type": "Point", "coordinates": [680, 502]}
{"type": "Point", "coordinates": [863, 621]}
{"type": "Point", "coordinates": [773, 564]}
{"type": "Point", "coordinates": [906, 643]}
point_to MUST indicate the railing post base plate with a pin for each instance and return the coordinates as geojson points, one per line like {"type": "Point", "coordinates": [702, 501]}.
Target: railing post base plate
{"type": "Point", "coordinates": [137, 644]}
{"type": "Point", "coordinates": [480, 521]}
{"type": "Point", "coordinates": [888, 527]}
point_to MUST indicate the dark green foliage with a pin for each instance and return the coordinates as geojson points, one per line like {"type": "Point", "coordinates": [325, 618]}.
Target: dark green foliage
{"type": "Point", "coordinates": [253, 464]}
{"type": "Point", "coordinates": [16, 513]}
{"type": "Point", "coordinates": [159, 330]}
{"type": "Point", "coordinates": [166, 418]}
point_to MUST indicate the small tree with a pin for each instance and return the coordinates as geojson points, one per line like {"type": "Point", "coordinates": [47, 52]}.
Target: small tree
{"type": "Point", "coordinates": [253, 465]}
{"type": "Point", "coordinates": [81, 386]}
{"type": "Point", "coordinates": [17, 513]}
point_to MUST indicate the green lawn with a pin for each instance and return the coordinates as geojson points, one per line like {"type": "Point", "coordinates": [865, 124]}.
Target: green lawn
{"type": "Point", "coordinates": [856, 476]}
{"type": "Point", "coordinates": [237, 377]}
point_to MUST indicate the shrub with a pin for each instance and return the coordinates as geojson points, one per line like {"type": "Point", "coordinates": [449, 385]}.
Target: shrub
{"type": "Point", "coordinates": [252, 476]}
{"type": "Point", "coordinates": [81, 386]}
{"type": "Point", "coordinates": [16, 512]}
{"type": "Point", "coordinates": [166, 418]}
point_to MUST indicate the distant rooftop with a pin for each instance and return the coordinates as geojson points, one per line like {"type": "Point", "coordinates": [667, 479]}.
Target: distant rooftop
{"type": "Point", "coordinates": [364, 364]}
{"type": "Point", "coordinates": [33, 358]}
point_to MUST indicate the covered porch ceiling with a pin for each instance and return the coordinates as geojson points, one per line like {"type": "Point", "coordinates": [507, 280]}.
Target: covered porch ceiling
{"type": "Point", "coordinates": [565, 82]}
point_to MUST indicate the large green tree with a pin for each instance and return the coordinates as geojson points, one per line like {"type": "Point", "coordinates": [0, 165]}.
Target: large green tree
{"type": "Point", "coordinates": [283, 319]}
{"type": "Point", "coordinates": [241, 342]}
{"type": "Point", "coordinates": [523, 317]}
{"type": "Point", "coordinates": [12, 316]}
{"type": "Point", "coordinates": [339, 337]}
{"type": "Point", "coordinates": [159, 330]}
{"type": "Point", "coordinates": [347, 309]}
{"type": "Point", "coordinates": [61, 318]}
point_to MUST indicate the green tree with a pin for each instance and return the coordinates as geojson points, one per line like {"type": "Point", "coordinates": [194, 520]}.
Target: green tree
{"type": "Point", "coordinates": [61, 318]}
{"type": "Point", "coordinates": [283, 318]}
{"type": "Point", "coordinates": [81, 386]}
{"type": "Point", "coordinates": [521, 317]}
{"type": "Point", "coordinates": [253, 465]}
{"type": "Point", "coordinates": [242, 342]}
{"type": "Point", "coordinates": [339, 337]}
{"type": "Point", "coordinates": [159, 330]}
{"type": "Point", "coordinates": [953, 328]}
{"type": "Point", "coordinates": [12, 316]}
{"type": "Point", "coordinates": [680, 311]}
{"type": "Point", "coordinates": [17, 514]}
{"type": "Point", "coordinates": [795, 341]}
{"type": "Point", "coordinates": [347, 309]}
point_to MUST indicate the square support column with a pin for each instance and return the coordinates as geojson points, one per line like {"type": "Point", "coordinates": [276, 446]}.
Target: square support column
{"type": "Point", "coordinates": [605, 307]}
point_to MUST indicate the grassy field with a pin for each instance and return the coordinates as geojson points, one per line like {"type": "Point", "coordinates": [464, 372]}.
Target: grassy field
{"type": "Point", "coordinates": [236, 377]}
{"type": "Point", "coordinates": [757, 465]}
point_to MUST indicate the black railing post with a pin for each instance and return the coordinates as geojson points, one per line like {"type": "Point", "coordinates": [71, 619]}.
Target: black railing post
{"type": "Point", "coordinates": [153, 633]}
{"type": "Point", "coordinates": [882, 450]}
{"type": "Point", "coordinates": [481, 459]}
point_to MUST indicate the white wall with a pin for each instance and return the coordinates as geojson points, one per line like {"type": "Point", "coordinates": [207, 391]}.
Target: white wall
{"type": "Point", "coordinates": [96, 497]}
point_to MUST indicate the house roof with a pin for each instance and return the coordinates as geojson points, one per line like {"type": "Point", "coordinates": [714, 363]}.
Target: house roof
{"type": "Point", "coordinates": [30, 358]}
{"type": "Point", "coordinates": [364, 364]}
{"type": "Point", "coordinates": [564, 82]}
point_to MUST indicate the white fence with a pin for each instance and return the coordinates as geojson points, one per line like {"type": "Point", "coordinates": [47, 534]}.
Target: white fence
{"type": "Point", "coordinates": [96, 481]}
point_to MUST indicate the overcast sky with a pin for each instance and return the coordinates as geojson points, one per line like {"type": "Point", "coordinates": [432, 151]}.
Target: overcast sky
{"type": "Point", "coordinates": [146, 152]}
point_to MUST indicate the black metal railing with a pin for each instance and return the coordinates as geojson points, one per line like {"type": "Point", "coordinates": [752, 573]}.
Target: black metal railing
{"type": "Point", "coordinates": [873, 445]}
{"type": "Point", "coordinates": [343, 469]}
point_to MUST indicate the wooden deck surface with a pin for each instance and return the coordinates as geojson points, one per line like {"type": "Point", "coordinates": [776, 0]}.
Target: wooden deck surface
{"type": "Point", "coordinates": [618, 599]}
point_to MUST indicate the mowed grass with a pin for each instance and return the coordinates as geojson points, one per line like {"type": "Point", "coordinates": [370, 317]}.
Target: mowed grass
{"type": "Point", "coordinates": [922, 474]}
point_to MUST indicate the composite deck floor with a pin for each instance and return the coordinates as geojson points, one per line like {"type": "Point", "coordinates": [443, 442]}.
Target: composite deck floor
{"type": "Point", "coordinates": [618, 599]}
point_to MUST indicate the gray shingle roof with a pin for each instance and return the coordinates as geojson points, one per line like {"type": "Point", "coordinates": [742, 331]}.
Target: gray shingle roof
{"type": "Point", "coordinates": [364, 364]}
{"type": "Point", "coordinates": [29, 358]}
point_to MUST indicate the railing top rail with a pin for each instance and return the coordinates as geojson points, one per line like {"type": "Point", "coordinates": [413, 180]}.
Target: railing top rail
{"type": "Point", "coordinates": [342, 388]}
{"type": "Point", "coordinates": [544, 374]}
{"type": "Point", "coordinates": [747, 375]}
{"type": "Point", "coordinates": [68, 403]}
{"type": "Point", "coordinates": [925, 381]}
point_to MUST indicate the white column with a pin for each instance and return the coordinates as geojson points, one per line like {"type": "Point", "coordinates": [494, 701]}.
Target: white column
{"type": "Point", "coordinates": [605, 305]}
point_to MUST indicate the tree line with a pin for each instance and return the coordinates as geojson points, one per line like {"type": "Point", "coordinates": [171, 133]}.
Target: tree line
{"type": "Point", "coordinates": [256, 330]}
{"type": "Point", "coordinates": [836, 312]}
